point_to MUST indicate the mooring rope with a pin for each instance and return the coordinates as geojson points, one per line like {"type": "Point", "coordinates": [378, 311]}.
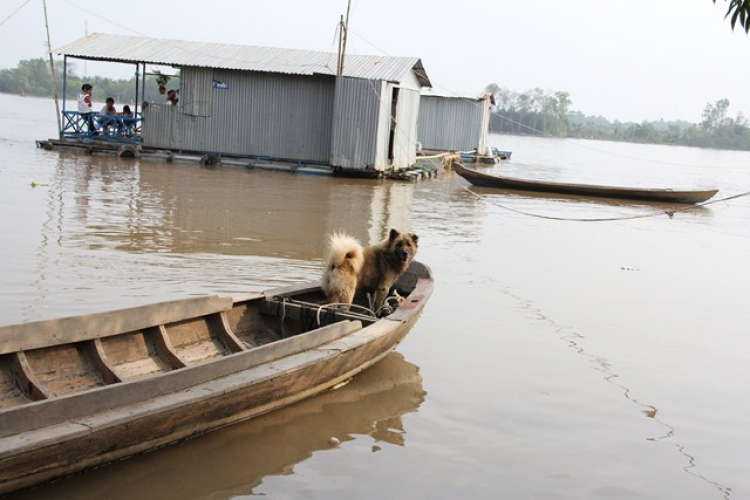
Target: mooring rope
{"type": "Point", "coordinates": [342, 306]}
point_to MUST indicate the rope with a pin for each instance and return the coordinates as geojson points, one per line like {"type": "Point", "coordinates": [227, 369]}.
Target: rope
{"type": "Point", "coordinates": [14, 12]}
{"type": "Point", "coordinates": [384, 310]}
{"type": "Point", "coordinates": [333, 306]}
{"type": "Point", "coordinates": [387, 308]}
{"type": "Point", "coordinates": [283, 301]}
{"type": "Point", "coordinates": [655, 213]}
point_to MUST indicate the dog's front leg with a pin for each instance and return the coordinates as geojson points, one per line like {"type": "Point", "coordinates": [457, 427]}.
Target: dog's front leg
{"type": "Point", "coordinates": [380, 295]}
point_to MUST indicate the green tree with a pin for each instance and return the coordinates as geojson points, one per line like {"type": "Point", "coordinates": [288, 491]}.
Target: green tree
{"type": "Point", "coordinates": [739, 10]}
{"type": "Point", "coordinates": [715, 115]}
{"type": "Point", "coordinates": [33, 77]}
{"type": "Point", "coordinates": [560, 107]}
{"type": "Point", "coordinates": [536, 112]}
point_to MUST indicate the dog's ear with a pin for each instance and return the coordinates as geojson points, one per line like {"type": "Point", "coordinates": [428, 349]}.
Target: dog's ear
{"type": "Point", "coordinates": [393, 234]}
{"type": "Point", "coordinates": [414, 238]}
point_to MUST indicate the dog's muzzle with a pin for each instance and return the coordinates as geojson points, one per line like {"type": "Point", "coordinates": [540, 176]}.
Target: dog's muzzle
{"type": "Point", "coordinates": [404, 256]}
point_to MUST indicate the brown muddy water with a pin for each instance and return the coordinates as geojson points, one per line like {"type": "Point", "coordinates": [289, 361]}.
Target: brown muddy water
{"type": "Point", "coordinates": [557, 359]}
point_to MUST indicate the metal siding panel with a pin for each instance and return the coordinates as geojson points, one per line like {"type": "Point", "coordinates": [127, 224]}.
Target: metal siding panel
{"type": "Point", "coordinates": [448, 124]}
{"type": "Point", "coordinates": [157, 126]}
{"type": "Point", "coordinates": [195, 90]}
{"type": "Point", "coordinates": [355, 123]}
{"type": "Point", "coordinates": [262, 114]}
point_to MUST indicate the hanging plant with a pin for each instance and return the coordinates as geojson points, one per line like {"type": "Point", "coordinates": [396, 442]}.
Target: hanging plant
{"type": "Point", "coordinates": [161, 79]}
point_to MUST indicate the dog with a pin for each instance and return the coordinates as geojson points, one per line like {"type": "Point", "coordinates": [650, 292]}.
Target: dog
{"type": "Point", "coordinates": [345, 261]}
{"type": "Point", "coordinates": [366, 275]}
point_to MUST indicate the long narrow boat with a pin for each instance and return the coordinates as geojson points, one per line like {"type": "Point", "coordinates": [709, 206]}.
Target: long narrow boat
{"type": "Point", "coordinates": [82, 391]}
{"type": "Point", "coordinates": [630, 193]}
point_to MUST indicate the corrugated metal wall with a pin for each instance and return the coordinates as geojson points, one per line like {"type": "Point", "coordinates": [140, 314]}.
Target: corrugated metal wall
{"type": "Point", "coordinates": [451, 124]}
{"type": "Point", "coordinates": [255, 114]}
{"type": "Point", "coordinates": [196, 91]}
{"type": "Point", "coordinates": [356, 110]}
{"type": "Point", "coordinates": [157, 126]}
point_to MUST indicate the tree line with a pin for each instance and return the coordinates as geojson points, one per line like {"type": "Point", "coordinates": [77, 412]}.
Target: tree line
{"type": "Point", "coordinates": [534, 112]}
{"type": "Point", "coordinates": [547, 114]}
{"type": "Point", "coordinates": [33, 77]}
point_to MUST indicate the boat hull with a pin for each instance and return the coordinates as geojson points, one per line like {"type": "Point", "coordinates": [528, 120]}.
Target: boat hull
{"type": "Point", "coordinates": [48, 439]}
{"type": "Point", "coordinates": [642, 194]}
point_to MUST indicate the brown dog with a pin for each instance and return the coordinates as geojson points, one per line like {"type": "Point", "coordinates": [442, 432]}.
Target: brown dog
{"type": "Point", "coordinates": [380, 267]}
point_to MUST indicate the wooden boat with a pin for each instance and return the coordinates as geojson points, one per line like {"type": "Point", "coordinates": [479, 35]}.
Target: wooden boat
{"type": "Point", "coordinates": [646, 194]}
{"type": "Point", "coordinates": [494, 157]}
{"type": "Point", "coordinates": [502, 154]}
{"type": "Point", "coordinates": [82, 391]}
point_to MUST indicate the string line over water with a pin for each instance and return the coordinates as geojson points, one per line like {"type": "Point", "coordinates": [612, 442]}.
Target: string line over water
{"type": "Point", "coordinates": [575, 340]}
{"type": "Point", "coordinates": [654, 213]}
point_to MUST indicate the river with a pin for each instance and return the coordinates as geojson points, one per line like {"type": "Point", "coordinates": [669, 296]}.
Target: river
{"type": "Point", "coordinates": [573, 348]}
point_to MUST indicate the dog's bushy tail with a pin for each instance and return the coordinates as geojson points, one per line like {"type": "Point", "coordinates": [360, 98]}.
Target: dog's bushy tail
{"type": "Point", "coordinates": [345, 253]}
{"type": "Point", "coordinates": [345, 260]}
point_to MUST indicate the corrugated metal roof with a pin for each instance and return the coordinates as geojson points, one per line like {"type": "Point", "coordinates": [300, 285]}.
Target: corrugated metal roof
{"type": "Point", "coordinates": [134, 49]}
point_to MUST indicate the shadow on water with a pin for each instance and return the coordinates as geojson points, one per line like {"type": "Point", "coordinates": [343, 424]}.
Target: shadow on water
{"type": "Point", "coordinates": [575, 341]}
{"type": "Point", "coordinates": [235, 460]}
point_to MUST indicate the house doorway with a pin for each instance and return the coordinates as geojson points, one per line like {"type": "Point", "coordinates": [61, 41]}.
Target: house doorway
{"type": "Point", "coordinates": [392, 132]}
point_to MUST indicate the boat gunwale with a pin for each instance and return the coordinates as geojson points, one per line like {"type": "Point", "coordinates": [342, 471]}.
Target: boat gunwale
{"type": "Point", "coordinates": [67, 330]}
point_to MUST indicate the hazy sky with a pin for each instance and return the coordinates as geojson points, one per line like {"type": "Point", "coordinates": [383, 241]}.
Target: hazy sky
{"type": "Point", "coordinates": [630, 60]}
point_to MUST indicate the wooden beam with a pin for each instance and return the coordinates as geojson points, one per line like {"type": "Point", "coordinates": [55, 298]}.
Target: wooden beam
{"type": "Point", "coordinates": [101, 363]}
{"type": "Point", "coordinates": [23, 373]}
{"type": "Point", "coordinates": [219, 324]}
{"type": "Point", "coordinates": [164, 347]}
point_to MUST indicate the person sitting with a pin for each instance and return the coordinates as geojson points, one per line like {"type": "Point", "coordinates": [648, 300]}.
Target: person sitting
{"type": "Point", "coordinates": [127, 120]}
{"type": "Point", "coordinates": [109, 109]}
{"type": "Point", "coordinates": [172, 97]}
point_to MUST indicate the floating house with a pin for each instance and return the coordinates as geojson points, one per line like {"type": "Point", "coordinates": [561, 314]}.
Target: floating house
{"type": "Point", "coordinates": [453, 123]}
{"type": "Point", "coordinates": [278, 104]}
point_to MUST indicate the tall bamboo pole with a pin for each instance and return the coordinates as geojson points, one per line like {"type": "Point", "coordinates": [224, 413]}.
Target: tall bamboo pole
{"type": "Point", "coordinates": [346, 35]}
{"type": "Point", "coordinates": [52, 68]}
{"type": "Point", "coordinates": [341, 35]}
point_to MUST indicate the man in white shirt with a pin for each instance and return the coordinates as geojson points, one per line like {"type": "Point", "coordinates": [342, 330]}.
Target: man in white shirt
{"type": "Point", "coordinates": [85, 106]}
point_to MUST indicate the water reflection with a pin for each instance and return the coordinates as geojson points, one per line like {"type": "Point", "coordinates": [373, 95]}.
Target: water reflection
{"type": "Point", "coordinates": [235, 460]}
{"type": "Point", "coordinates": [139, 226]}
{"type": "Point", "coordinates": [159, 207]}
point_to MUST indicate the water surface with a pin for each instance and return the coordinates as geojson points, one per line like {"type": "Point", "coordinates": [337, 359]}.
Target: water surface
{"type": "Point", "coordinates": [557, 358]}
